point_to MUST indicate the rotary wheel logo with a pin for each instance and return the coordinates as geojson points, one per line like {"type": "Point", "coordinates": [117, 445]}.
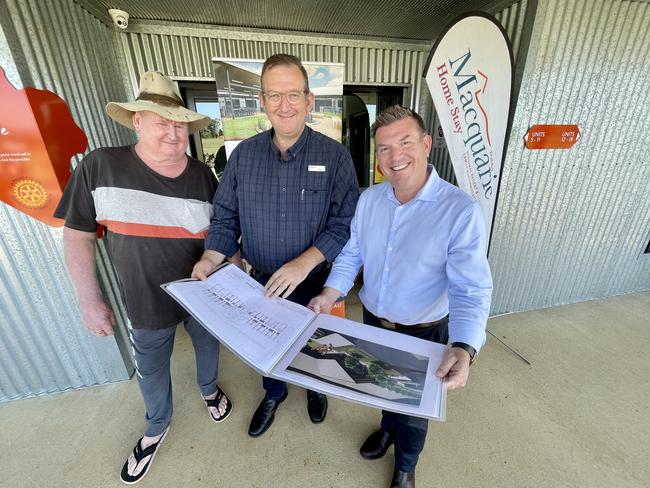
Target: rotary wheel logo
{"type": "Point", "coordinates": [30, 193]}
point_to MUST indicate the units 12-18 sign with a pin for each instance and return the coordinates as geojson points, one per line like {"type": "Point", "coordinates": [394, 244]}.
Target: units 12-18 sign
{"type": "Point", "coordinates": [552, 136]}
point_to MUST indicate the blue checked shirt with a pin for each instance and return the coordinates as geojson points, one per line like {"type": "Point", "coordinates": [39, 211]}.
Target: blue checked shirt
{"type": "Point", "coordinates": [421, 260]}
{"type": "Point", "coordinates": [280, 208]}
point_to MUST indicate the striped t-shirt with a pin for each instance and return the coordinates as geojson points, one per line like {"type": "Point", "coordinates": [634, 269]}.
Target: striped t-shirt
{"type": "Point", "coordinates": [154, 225]}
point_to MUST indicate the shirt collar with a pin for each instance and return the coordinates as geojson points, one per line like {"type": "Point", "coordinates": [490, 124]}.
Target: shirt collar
{"type": "Point", "coordinates": [428, 192]}
{"type": "Point", "coordinates": [294, 150]}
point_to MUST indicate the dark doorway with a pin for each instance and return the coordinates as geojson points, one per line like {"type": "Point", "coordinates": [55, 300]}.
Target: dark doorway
{"type": "Point", "coordinates": [361, 104]}
{"type": "Point", "coordinates": [207, 145]}
{"type": "Point", "coordinates": [356, 135]}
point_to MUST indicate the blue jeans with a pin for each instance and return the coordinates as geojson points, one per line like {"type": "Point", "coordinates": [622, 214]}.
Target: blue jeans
{"type": "Point", "coordinates": [303, 293]}
{"type": "Point", "coordinates": [409, 432]}
{"type": "Point", "coordinates": [152, 350]}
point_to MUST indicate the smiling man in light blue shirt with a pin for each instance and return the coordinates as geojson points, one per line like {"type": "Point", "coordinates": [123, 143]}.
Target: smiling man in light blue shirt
{"type": "Point", "coordinates": [422, 244]}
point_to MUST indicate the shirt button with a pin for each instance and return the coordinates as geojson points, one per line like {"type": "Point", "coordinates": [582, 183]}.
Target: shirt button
{"type": "Point", "coordinates": [284, 189]}
{"type": "Point", "coordinates": [387, 269]}
{"type": "Point", "coordinates": [390, 248]}
{"type": "Point", "coordinates": [282, 215]}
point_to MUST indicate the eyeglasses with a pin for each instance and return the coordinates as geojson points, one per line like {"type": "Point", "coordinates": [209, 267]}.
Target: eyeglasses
{"type": "Point", "coordinates": [293, 97]}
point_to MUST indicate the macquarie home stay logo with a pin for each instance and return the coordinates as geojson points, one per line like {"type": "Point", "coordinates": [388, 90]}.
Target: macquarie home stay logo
{"type": "Point", "coordinates": [469, 74]}
{"type": "Point", "coordinates": [462, 88]}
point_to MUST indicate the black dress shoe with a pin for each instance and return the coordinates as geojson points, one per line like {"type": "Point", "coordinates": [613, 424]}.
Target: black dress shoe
{"type": "Point", "coordinates": [402, 479]}
{"type": "Point", "coordinates": [376, 444]}
{"type": "Point", "coordinates": [263, 416]}
{"type": "Point", "coordinates": [316, 406]}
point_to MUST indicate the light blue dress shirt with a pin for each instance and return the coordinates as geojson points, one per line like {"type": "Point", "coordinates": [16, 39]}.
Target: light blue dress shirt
{"type": "Point", "coordinates": [421, 260]}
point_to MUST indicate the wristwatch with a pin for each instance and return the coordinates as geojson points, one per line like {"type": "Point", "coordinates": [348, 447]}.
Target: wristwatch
{"type": "Point", "coordinates": [466, 347]}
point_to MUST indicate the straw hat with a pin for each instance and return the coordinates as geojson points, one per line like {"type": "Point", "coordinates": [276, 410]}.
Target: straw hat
{"type": "Point", "coordinates": [158, 94]}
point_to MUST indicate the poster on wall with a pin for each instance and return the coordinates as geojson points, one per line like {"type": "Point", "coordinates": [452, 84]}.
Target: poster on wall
{"type": "Point", "coordinates": [241, 114]}
{"type": "Point", "coordinates": [38, 137]}
{"type": "Point", "coordinates": [469, 74]}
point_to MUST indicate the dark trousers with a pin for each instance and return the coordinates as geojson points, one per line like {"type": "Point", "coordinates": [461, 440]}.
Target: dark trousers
{"type": "Point", "coordinates": [152, 350]}
{"type": "Point", "coordinates": [304, 292]}
{"type": "Point", "coordinates": [409, 432]}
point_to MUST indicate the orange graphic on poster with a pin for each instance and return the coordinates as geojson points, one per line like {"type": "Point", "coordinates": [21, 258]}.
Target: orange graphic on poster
{"type": "Point", "coordinates": [30, 193]}
{"type": "Point", "coordinates": [38, 137]}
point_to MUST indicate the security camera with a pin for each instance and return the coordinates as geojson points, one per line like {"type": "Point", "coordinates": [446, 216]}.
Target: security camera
{"type": "Point", "coordinates": [120, 18]}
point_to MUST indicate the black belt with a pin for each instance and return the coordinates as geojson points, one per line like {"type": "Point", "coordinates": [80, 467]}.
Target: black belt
{"type": "Point", "coordinates": [387, 324]}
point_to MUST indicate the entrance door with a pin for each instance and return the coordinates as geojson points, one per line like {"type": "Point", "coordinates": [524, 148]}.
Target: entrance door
{"type": "Point", "coordinates": [361, 104]}
{"type": "Point", "coordinates": [207, 145]}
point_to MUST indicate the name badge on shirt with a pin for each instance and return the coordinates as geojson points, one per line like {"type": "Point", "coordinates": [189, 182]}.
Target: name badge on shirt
{"type": "Point", "coordinates": [318, 168]}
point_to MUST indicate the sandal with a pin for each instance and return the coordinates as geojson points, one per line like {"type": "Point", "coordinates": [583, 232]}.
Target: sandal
{"type": "Point", "coordinates": [139, 455]}
{"type": "Point", "coordinates": [215, 403]}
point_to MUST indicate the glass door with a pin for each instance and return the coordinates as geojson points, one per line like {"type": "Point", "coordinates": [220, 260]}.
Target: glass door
{"type": "Point", "coordinates": [207, 145]}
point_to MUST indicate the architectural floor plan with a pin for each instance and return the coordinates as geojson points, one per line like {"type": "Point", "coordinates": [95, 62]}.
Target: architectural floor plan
{"type": "Point", "coordinates": [338, 357]}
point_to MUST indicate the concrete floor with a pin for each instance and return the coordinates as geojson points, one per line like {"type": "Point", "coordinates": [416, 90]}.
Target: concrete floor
{"type": "Point", "coordinates": [578, 417]}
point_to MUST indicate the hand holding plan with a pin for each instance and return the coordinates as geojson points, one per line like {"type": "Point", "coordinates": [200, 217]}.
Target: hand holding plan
{"type": "Point", "coordinates": [454, 369]}
{"type": "Point", "coordinates": [285, 280]}
{"type": "Point", "coordinates": [207, 264]}
{"type": "Point", "coordinates": [324, 302]}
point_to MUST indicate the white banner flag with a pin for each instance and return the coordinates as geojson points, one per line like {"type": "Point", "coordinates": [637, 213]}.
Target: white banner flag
{"type": "Point", "coordinates": [469, 74]}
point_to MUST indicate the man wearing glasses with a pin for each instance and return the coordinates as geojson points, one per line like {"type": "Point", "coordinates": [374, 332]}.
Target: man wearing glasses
{"type": "Point", "coordinates": [290, 194]}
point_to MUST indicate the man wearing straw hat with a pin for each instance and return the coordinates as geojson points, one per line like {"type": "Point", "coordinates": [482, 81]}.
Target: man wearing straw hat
{"type": "Point", "coordinates": [154, 203]}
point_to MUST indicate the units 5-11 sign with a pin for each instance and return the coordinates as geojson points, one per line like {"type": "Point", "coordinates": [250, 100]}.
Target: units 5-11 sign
{"type": "Point", "coordinates": [552, 136]}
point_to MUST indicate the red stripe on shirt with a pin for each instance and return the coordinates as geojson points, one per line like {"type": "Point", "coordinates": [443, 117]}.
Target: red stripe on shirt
{"type": "Point", "coordinates": [148, 230]}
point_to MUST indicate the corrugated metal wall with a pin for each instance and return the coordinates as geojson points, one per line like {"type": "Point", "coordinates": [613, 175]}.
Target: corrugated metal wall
{"type": "Point", "coordinates": [186, 53]}
{"type": "Point", "coordinates": [572, 225]}
{"type": "Point", "coordinates": [43, 345]}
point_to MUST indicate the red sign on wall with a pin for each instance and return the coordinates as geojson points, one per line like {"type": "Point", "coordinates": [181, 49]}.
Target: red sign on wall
{"type": "Point", "coordinates": [552, 136]}
{"type": "Point", "coordinates": [38, 136]}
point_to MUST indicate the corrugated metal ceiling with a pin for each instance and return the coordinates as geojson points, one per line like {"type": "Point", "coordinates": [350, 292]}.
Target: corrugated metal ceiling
{"type": "Point", "coordinates": [413, 19]}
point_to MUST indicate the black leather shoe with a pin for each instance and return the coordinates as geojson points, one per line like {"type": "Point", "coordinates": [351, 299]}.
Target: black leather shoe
{"type": "Point", "coordinates": [376, 444]}
{"type": "Point", "coordinates": [316, 406]}
{"type": "Point", "coordinates": [402, 479]}
{"type": "Point", "coordinates": [263, 416]}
